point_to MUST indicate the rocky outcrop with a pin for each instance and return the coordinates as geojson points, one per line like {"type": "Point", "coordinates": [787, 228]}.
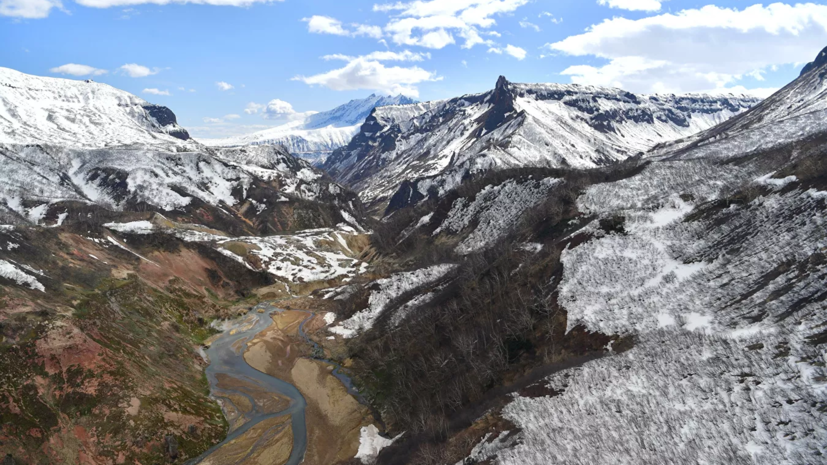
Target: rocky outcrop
{"type": "Point", "coordinates": [820, 60]}
{"type": "Point", "coordinates": [166, 119]}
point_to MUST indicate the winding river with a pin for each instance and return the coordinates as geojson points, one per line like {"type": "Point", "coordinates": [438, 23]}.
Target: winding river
{"type": "Point", "coordinates": [226, 356]}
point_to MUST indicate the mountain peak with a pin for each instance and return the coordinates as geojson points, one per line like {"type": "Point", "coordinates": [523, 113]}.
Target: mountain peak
{"type": "Point", "coordinates": [820, 60]}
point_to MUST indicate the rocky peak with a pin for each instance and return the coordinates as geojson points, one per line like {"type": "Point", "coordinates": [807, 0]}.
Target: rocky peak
{"type": "Point", "coordinates": [503, 103]}
{"type": "Point", "coordinates": [820, 60]}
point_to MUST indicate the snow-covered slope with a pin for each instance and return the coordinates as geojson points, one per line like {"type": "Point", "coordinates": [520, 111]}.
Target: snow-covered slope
{"type": "Point", "coordinates": [90, 144]}
{"type": "Point", "coordinates": [82, 114]}
{"type": "Point", "coordinates": [516, 125]}
{"type": "Point", "coordinates": [315, 137]}
{"type": "Point", "coordinates": [718, 274]}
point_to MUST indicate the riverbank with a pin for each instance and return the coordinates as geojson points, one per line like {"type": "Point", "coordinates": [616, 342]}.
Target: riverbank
{"type": "Point", "coordinates": [333, 417]}
{"type": "Point", "coordinates": [283, 406]}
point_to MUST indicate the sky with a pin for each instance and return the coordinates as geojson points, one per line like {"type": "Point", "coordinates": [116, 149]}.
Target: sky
{"type": "Point", "coordinates": [229, 67]}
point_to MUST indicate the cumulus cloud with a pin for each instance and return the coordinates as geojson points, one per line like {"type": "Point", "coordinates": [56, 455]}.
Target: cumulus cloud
{"type": "Point", "coordinates": [137, 71]}
{"type": "Point", "coordinates": [434, 23]}
{"type": "Point", "coordinates": [512, 50]}
{"type": "Point", "coordinates": [224, 86]}
{"type": "Point", "coordinates": [253, 108]}
{"type": "Point", "coordinates": [154, 91]}
{"type": "Point", "coordinates": [632, 5]}
{"type": "Point", "coordinates": [697, 50]}
{"type": "Point", "coordinates": [212, 120]}
{"type": "Point", "coordinates": [73, 69]}
{"type": "Point", "coordinates": [369, 73]}
{"type": "Point", "coordinates": [231, 117]}
{"type": "Point", "coordinates": [326, 25]}
{"type": "Point", "coordinates": [278, 109]}
{"type": "Point", "coordinates": [31, 9]}
{"type": "Point", "coordinates": [35, 9]}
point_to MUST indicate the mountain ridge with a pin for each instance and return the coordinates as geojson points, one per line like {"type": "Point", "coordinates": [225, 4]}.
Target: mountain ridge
{"type": "Point", "coordinates": [551, 125]}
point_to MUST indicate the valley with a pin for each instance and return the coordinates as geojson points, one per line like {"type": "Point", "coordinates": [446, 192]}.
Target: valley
{"type": "Point", "coordinates": [540, 273]}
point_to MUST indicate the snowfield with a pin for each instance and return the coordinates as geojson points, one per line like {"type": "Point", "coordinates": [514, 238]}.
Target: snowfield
{"type": "Point", "coordinates": [13, 273]}
{"type": "Point", "coordinates": [306, 256]}
{"type": "Point", "coordinates": [80, 114]}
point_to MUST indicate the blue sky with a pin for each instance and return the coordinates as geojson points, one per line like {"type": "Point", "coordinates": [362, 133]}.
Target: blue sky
{"type": "Point", "coordinates": [177, 53]}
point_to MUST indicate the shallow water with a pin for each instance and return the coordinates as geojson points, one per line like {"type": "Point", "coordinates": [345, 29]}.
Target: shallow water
{"type": "Point", "coordinates": [226, 356]}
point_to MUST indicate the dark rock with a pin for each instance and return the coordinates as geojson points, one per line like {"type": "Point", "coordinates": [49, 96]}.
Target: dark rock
{"type": "Point", "coordinates": [165, 117]}
{"type": "Point", "coordinates": [192, 429]}
{"type": "Point", "coordinates": [9, 460]}
{"type": "Point", "coordinates": [503, 104]}
{"type": "Point", "coordinates": [171, 446]}
{"type": "Point", "coordinates": [820, 60]}
{"type": "Point", "coordinates": [407, 194]}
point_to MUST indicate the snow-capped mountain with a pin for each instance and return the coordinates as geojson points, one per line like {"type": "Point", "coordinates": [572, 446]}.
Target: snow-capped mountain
{"type": "Point", "coordinates": [354, 112]}
{"type": "Point", "coordinates": [516, 125]}
{"type": "Point", "coordinates": [71, 146]}
{"type": "Point", "coordinates": [316, 136]}
{"type": "Point", "coordinates": [79, 114]}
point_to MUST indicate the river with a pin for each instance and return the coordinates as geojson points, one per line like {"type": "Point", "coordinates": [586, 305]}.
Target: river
{"type": "Point", "coordinates": [226, 356]}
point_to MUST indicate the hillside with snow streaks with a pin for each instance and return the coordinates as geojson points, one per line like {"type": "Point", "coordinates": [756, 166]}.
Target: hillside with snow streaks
{"type": "Point", "coordinates": [436, 145]}
{"type": "Point", "coordinates": [386, 291]}
{"type": "Point", "coordinates": [718, 274]}
{"type": "Point", "coordinates": [726, 308]}
{"type": "Point", "coordinates": [493, 212]}
{"type": "Point", "coordinates": [116, 178]}
{"type": "Point", "coordinates": [81, 114]}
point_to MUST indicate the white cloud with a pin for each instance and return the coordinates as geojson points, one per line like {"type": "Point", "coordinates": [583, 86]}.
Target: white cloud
{"type": "Point", "coordinates": [231, 117]}
{"type": "Point", "coordinates": [278, 109]}
{"type": "Point", "coordinates": [551, 17]}
{"type": "Point", "coordinates": [35, 9]}
{"type": "Point", "coordinates": [405, 55]}
{"type": "Point", "coordinates": [632, 5]}
{"type": "Point", "coordinates": [525, 24]}
{"type": "Point", "coordinates": [31, 9]}
{"type": "Point", "coordinates": [137, 71]}
{"type": "Point", "coordinates": [516, 52]}
{"type": "Point", "coordinates": [73, 69]}
{"type": "Point", "coordinates": [223, 85]}
{"type": "Point", "coordinates": [212, 120]}
{"type": "Point", "coordinates": [275, 109]}
{"type": "Point", "coordinates": [433, 23]}
{"type": "Point", "coordinates": [253, 108]}
{"type": "Point", "coordinates": [367, 72]}
{"type": "Point", "coordinates": [710, 48]}
{"type": "Point", "coordinates": [154, 91]}
{"type": "Point", "coordinates": [326, 25]}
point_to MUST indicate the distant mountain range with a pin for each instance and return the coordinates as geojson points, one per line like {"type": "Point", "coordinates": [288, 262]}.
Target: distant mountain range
{"type": "Point", "coordinates": [315, 137]}
{"type": "Point", "coordinates": [435, 145]}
